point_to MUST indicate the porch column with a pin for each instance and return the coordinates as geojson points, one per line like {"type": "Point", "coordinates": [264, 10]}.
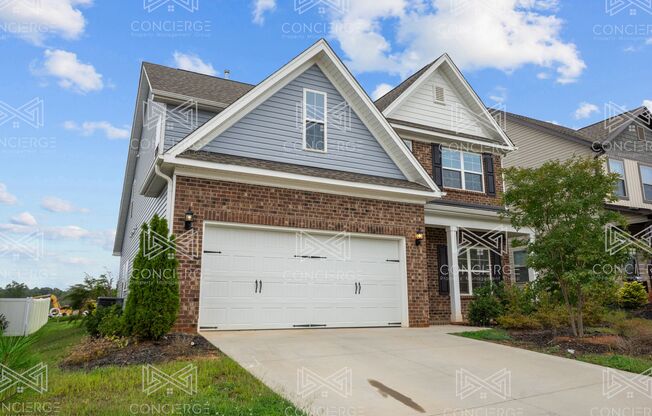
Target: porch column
{"type": "Point", "coordinates": [453, 274]}
{"type": "Point", "coordinates": [532, 274]}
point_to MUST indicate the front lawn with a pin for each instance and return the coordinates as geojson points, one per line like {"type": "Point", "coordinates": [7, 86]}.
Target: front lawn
{"type": "Point", "coordinates": [223, 387]}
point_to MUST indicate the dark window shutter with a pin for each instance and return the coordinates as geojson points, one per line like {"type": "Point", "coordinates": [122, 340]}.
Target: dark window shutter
{"type": "Point", "coordinates": [436, 163]}
{"type": "Point", "coordinates": [442, 260]}
{"type": "Point", "coordinates": [496, 267]}
{"type": "Point", "coordinates": [489, 174]}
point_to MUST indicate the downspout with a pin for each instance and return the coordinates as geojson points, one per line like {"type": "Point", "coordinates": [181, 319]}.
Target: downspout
{"type": "Point", "coordinates": [168, 203]}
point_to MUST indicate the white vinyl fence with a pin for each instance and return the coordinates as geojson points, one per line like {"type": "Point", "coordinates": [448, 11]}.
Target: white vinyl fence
{"type": "Point", "coordinates": [25, 315]}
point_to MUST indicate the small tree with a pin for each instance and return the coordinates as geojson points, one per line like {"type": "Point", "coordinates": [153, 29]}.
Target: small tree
{"type": "Point", "coordinates": [632, 295]}
{"type": "Point", "coordinates": [564, 204]}
{"type": "Point", "coordinates": [153, 299]}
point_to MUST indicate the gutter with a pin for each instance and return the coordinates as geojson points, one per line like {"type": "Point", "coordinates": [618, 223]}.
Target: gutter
{"type": "Point", "coordinates": [169, 201]}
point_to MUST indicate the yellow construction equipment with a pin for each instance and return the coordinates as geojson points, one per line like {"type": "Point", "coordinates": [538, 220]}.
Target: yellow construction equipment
{"type": "Point", "coordinates": [56, 308]}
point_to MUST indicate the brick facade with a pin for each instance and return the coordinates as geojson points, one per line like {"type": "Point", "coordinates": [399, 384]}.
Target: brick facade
{"type": "Point", "coordinates": [253, 204]}
{"type": "Point", "coordinates": [423, 152]}
{"type": "Point", "coordinates": [440, 305]}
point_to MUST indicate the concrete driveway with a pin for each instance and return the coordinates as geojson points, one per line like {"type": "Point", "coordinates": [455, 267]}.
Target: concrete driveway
{"type": "Point", "coordinates": [415, 371]}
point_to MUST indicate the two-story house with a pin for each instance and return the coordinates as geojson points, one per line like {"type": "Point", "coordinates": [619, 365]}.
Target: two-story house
{"type": "Point", "coordinates": [298, 202]}
{"type": "Point", "coordinates": [623, 141]}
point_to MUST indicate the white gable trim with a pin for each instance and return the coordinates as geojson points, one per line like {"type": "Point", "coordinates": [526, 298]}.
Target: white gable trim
{"type": "Point", "coordinates": [322, 55]}
{"type": "Point", "coordinates": [468, 90]}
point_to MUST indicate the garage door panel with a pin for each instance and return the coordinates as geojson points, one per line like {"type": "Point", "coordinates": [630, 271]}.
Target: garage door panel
{"type": "Point", "coordinates": [298, 291]}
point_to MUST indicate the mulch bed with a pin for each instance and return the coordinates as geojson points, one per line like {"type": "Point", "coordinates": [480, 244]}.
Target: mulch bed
{"type": "Point", "coordinates": [645, 312]}
{"type": "Point", "coordinates": [99, 352]}
{"type": "Point", "coordinates": [563, 341]}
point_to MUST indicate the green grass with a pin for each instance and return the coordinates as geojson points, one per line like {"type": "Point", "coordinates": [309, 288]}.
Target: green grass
{"type": "Point", "coordinates": [486, 335]}
{"type": "Point", "coordinates": [620, 362]}
{"type": "Point", "coordinates": [223, 388]}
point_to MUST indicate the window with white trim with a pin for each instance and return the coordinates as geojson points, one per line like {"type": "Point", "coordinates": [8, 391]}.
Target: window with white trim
{"type": "Point", "coordinates": [462, 170]}
{"type": "Point", "coordinates": [475, 269]}
{"type": "Point", "coordinates": [618, 167]}
{"type": "Point", "coordinates": [521, 271]}
{"type": "Point", "coordinates": [314, 123]}
{"type": "Point", "coordinates": [646, 182]}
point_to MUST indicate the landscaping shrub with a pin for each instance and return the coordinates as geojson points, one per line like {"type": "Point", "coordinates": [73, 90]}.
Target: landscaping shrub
{"type": "Point", "coordinates": [637, 334]}
{"type": "Point", "coordinates": [632, 295]}
{"type": "Point", "coordinates": [15, 351]}
{"type": "Point", "coordinates": [4, 324]}
{"type": "Point", "coordinates": [518, 321]}
{"type": "Point", "coordinates": [111, 324]}
{"type": "Point", "coordinates": [550, 313]}
{"type": "Point", "coordinates": [105, 321]}
{"type": "Point", "coordinates": [485, 306]}
{"type": "Point", "coordinates": [153, 301]}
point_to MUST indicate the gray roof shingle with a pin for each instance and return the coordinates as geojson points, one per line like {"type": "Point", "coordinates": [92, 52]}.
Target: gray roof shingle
{"type": "Point", "coordinates": [195, 85]}
{"type": "Point", "coordinates": [300, 169]}
{"type": "Point", "coordinates": [566, 132]}
{"type": "Point", "coordinates": [604, 131]}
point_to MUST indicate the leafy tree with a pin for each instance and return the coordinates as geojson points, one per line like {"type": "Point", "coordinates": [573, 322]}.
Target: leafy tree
{"type": "Point", "coordinates": [15, 290]}
{"type": "Point", "coordinates": [80, 294]}
{"type": "Point", "coordinates": [153, 300]}
{"type": "Point", "coordinates": [564, 204]}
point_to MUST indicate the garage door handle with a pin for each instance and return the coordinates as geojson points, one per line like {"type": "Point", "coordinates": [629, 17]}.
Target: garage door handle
{"type": "Point", "coordinates": [256, 290]}
{"type": "Point", "coordinates": [212, 252]}
{"type": "Point", "coordinates": [393, 261]}
{"type": "Point", "coordinates": [260, 290]}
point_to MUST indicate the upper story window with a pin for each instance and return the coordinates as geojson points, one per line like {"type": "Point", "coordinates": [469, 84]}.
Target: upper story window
{"type": "Point", "coordinates": [462, 170]}
{"type": "Point", "coordinates": [618, 167]}
{"type": "Point", "coordinates": [314, 119]}
{"type": "Point", "coordinates": [646, 182]}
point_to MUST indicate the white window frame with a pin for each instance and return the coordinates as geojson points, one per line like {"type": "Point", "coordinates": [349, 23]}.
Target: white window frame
{"type": "Point", "coordinates": [306, 120]}
{"type": "Point", "coordinates": [640, 175]}
{"type": "Point", "coordinates": [467, 274]}
{"type": "Point", "coordinates": [463, 171]}
{"type": "Point", "coordinates": [624, 176]}
{"type": "Point", "coordinates": [514, 266]}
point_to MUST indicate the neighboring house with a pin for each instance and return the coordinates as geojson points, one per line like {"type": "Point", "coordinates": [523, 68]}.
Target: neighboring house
{"type": "Point", "coordinates": [308, 204]}
{"type": "Point", "coordinates": [624, 141]}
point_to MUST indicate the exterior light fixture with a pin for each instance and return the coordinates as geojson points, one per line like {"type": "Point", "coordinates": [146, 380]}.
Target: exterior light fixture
{"type": "Point", "coordinates": [188, 218]}
{"type": "Point", "coordinates": [418, 237]}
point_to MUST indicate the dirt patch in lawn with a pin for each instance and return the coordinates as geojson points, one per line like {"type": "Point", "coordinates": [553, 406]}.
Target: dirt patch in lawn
{"type": "Point", "coordinates": [99, 352]}
{"type": "Point", "coordinates": [563, 342]}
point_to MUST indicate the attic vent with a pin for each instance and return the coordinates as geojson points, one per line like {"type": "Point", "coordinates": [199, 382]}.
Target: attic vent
{"type": "Point", "coordinates": [439, 94]}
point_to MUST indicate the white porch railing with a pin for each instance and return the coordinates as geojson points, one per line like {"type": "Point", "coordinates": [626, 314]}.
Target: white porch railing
{"type": "Point", "coordinates": [25, 316]}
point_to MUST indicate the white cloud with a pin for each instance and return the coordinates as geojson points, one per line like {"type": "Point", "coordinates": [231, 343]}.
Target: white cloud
{"type": "Point", "coordinates": [5, 196]}
{"type": "Point", "coordinates": [502, 34]}
{"type": "Point", "coordinates": [498, 95]}
{"type": "Point", "coordinates": [648, 41]}
{"type": "Point", "coordinates": [34, 20]}
{"type": "Point", "coordinates": [71, 73]}
{"type": "Point", "coordinates": [67, 232]}
{"type": "Point", "coordinates": [648, 104]}
{"type": "Point", "coordinates": [192, 62]}
{"type": "Point", "coordinates": [78, 261]}
{"type": "Point", "coordinates": [585, 110]}
{"type": "Point", "coordinates": [88, 128]}
{"type": "Point", "coordinates": [380, 90]}
{"type": "Point", "coordinates": [24, 218]}
{"type": "Point", "coordinates": [54, 204]}
{"type": "Point", "coordinates": [260, 8]}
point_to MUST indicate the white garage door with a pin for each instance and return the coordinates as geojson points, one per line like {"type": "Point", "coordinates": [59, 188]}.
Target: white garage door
{"type": "Point", "coordinates": [259, 278]}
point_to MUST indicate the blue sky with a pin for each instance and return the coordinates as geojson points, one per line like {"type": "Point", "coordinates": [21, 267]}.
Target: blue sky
{"type": "Point", "coordinates": [71, 71]}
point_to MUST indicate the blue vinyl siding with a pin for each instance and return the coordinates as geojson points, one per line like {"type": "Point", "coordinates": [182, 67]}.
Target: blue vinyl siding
{"type": "Point", "coordinates": [273, 131]}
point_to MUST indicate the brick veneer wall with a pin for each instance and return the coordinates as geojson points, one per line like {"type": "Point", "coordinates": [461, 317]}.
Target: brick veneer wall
{"type": "Point", "coordinates": [423, 152]}
{"type": "Point", "coordinates": [252, 204]}
{"type": "Point", "coordinates": [440, 305]}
